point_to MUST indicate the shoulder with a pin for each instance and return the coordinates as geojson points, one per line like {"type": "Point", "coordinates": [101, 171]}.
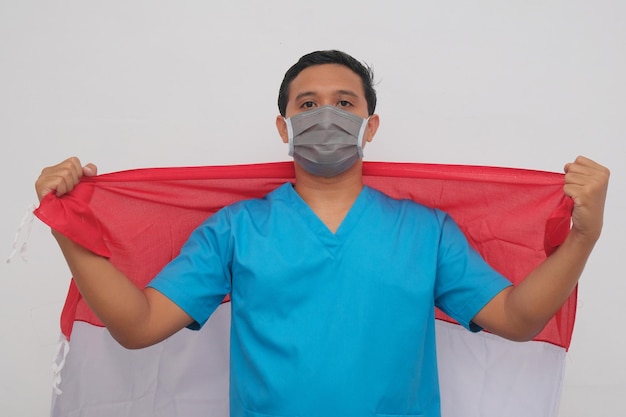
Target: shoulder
{"type": "Point", "coordinates": [404, 206]}
{"type": "Point", "coordinates": [283, 193]}
{"type": "Point", "coordinates": [254, 209]}
{"type": "Point", "coordinates": [242, 214]}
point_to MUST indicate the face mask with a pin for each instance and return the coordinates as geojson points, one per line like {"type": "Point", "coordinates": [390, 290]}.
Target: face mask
{"type": "Point", "coordinates": [326, 141]}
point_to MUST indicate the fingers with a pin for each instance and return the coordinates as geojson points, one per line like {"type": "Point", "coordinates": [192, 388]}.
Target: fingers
{"type": "Point", "coordinates": [586, 166]}
{"type": "Point", "coordinates": [585, 173]}
{"type": "Point", "coordinates": [586, 182]}
{"type": "Point", "coordinates": [63, 177]}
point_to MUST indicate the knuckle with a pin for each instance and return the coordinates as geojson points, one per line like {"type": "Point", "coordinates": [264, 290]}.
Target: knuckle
{"type": "Point", "coordinates": [73, 160]}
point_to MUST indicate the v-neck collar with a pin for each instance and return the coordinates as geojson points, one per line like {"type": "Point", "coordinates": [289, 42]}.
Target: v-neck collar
{"type": "Point", "coordinates": [318, 227]}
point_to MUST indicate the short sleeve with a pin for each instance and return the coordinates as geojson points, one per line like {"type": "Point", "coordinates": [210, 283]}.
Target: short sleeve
{"type": "Point", "coordinates": [465, 283]}
{"type": "Point", "coordinates": [199, 278]}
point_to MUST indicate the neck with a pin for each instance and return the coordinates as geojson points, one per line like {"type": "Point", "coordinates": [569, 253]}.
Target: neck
{"type": "Point", "coordinates": [330, 198]}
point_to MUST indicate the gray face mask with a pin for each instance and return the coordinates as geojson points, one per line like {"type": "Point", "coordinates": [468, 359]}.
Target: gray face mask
{"type": "Point", "coordinates": [326, 141]}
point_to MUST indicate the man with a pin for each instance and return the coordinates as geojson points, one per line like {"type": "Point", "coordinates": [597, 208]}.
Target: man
{"type": "Point", "coordinates": [333, 284]}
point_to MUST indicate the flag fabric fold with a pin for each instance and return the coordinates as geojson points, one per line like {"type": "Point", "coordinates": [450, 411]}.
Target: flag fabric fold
{"type": "Point", "coordinates": [140, 218]}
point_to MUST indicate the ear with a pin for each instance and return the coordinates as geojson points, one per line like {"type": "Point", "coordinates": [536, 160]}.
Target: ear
{"type": "Point", "coordinates": [281, 125]}
{"type": "Point", "coordinates": [372, 127]}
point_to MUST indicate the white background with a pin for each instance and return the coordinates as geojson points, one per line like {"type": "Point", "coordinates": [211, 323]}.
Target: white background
{"type": "Point", "coordinates": [130, 84]}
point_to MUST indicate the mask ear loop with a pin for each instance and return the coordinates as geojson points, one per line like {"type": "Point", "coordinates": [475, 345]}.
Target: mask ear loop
{"type": "Point", "coordinates": [359, 144]}
{"type": "Point", "coordinates": [290, 135]}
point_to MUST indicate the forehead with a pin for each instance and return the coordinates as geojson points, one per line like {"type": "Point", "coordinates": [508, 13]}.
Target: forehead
{"type": "Point", "coordinates": [326, 79]}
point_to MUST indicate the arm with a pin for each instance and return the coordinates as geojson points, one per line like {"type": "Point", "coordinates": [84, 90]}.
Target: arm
{"type": "Point", "coordinates": [521, 312]}
{"type": "Point", "coordinates": [136, 318]}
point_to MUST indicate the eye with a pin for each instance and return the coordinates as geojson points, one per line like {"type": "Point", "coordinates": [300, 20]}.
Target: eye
{"type": "Point", "coordinates": [344, 103]}
{"type": "Point", "coordinates": [307, 105]}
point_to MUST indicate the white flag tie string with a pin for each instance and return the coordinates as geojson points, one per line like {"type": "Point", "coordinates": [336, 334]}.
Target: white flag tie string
{"type": "Point", "coordinates": [22, 234]}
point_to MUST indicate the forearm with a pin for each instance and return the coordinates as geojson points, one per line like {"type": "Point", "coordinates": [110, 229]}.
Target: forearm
{"type": "Point", "coordinates": [540, 295]}
{"type": "Point", "coordinates": [119, 304]}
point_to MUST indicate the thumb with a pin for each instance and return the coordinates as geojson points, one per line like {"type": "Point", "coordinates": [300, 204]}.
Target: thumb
{"type": "Point", "coordinates": [90, 170]}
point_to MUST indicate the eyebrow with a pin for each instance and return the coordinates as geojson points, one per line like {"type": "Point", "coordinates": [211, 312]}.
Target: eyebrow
{"type": "Point", "coordinates": [338, 92]}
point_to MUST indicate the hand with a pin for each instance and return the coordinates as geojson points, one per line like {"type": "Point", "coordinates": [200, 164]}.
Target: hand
{"type": "Point", "coordinates": [586, 182]}
{"type": "Point", "coordinates": [63, 177]}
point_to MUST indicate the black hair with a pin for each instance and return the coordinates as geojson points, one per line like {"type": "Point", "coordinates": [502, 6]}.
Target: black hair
{"type": "Point", "coordinates": [329, 57]}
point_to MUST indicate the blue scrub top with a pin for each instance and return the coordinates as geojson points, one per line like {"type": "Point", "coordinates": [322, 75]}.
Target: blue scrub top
{"type": "Point", "coordinates": [330, 324]}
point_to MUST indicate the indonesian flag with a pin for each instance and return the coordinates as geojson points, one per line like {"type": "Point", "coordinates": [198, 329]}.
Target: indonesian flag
{"type": "Point", "coordinates": [140, 218]}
